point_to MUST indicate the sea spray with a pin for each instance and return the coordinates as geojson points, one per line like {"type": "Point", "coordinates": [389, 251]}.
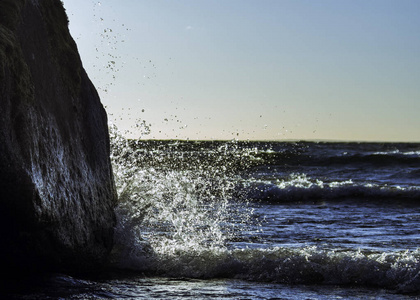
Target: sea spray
{"type": "Point", "coordinates": [174, 204]}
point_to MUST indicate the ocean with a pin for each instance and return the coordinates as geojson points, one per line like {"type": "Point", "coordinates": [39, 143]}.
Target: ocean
{"type": "Point", "coordinates": [256, 220]}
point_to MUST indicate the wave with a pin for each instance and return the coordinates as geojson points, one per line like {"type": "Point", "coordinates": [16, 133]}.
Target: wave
{"type": "Point", "coordinates": [299, 187]}
{"type": "Point", "coordinates": [320, 158]}
{"type": "Point", "coordinates": [374, 159]}
{"type": "Point", "coordinates": [391, 270]}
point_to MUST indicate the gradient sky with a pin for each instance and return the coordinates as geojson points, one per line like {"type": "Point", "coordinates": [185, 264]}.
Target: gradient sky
{"type": "Point", "coordinates": [260, 69]}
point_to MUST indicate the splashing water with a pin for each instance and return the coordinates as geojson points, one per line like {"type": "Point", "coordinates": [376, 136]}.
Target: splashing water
{"type": "Point", "coordinates": [172, 204]}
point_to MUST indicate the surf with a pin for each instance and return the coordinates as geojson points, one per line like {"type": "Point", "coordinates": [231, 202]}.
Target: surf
{"type": "Point", "coordinates": [180, 215]}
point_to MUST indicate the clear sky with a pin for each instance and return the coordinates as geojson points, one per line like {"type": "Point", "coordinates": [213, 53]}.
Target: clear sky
{"type": "Point", "coordinates": [255, 69]}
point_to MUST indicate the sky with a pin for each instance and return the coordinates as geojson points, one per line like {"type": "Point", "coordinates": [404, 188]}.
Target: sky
{"type": "Point", "coordinates": [254, 69]}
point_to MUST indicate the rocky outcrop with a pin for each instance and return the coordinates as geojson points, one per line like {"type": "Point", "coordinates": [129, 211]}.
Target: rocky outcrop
{"type": "Point", "coordinates": [56, 185]}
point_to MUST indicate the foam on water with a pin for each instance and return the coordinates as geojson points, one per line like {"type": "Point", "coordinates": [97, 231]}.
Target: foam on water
{"type": "Point", "coordinates": [299, 187]}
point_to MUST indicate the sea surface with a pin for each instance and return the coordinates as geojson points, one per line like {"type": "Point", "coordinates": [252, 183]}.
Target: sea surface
{"type": "Point", "coordinates": [257, 220]}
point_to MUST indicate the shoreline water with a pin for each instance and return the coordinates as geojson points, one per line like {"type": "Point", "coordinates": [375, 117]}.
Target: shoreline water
{"type": "Point", "coordinates": [259, 220]}
{"type": "Point", "coordinates": [129, 285]}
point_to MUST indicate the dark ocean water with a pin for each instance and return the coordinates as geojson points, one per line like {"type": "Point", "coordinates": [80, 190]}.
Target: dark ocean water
{"type": "Point", "coordinates": [258, 220]}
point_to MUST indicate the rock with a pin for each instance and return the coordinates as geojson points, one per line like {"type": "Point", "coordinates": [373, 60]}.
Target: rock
{"type": "Point", "coordinates": [57, 192]}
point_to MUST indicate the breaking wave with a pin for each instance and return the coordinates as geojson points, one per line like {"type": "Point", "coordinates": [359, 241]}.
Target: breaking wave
{"type": "Point", "coordinates": [300, 187]}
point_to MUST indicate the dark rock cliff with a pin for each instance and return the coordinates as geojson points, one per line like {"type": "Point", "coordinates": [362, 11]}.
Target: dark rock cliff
{"type": "Point", "coordinates": [56, 185]}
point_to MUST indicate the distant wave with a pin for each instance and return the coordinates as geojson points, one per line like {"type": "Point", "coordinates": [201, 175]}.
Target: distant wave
{"type": "Point", "coordinates": [325, 159]}
{"type": "Point", "coordinates": [300, 188]}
